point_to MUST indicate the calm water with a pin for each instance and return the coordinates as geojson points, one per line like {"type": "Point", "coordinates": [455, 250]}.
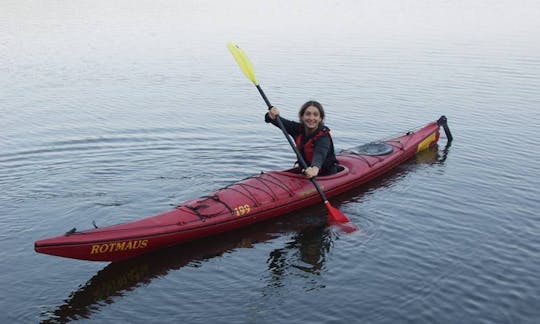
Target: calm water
{"type": "Point", "coordinates": [112, 111]}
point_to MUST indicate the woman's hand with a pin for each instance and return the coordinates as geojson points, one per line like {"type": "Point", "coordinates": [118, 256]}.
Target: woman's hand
{"type": "Point", "coordinates": [311, 172]}
{"type": "Point", "coordinates": [273, 113]}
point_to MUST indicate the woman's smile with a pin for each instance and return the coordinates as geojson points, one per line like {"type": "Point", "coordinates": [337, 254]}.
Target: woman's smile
{"type": "Point", "coordinates": [311, 118]}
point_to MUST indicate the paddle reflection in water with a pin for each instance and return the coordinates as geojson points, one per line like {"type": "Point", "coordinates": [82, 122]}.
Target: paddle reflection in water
{"type": "Point", "coordinates": [306, 251]}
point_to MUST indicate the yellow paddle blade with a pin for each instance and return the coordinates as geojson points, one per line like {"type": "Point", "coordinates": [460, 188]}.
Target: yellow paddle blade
{"type": "Point", "coordinates": [243, 61]}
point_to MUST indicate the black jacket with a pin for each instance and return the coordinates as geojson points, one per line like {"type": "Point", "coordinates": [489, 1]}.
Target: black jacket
{"type": "Point", "coordinates": [324, 157]}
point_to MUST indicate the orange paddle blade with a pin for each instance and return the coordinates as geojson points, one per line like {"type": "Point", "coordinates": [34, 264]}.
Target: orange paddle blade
{"type": "Point", "coordinates": [335, 215]}
{"type": "Point", "coordinates": [338, 219]}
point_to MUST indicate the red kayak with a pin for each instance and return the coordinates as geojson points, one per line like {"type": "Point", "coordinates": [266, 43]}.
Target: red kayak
{"type": "Point", "coordinates": [245, 202]}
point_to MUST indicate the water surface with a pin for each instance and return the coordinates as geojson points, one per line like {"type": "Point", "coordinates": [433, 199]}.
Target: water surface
{"type": "Point", "coordinates": [116, 111]}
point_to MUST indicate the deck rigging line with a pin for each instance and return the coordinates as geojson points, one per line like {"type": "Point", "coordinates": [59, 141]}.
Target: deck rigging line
{"type": "Point", "coordinates": [246, 192]}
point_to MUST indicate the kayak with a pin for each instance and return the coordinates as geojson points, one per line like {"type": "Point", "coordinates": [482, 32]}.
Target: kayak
{"type": "Point", "coordinates": [242, 203]}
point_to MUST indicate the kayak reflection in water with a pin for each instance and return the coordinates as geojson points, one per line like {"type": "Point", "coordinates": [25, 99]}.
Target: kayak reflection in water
{"type": "Point", "coordinates": [306, 251]}
{"type": "Point", "coordinates": [312, 138]}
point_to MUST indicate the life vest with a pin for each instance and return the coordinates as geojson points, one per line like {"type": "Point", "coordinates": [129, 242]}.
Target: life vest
{"type": "Point", "coordinates": [308, 150]}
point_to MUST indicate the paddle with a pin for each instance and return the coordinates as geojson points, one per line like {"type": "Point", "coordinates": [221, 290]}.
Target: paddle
{"type": "Point", "coordinates": [335, 216]}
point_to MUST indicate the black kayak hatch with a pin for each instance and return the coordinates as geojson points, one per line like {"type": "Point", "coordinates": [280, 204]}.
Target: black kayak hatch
{"type": "Point", "coordinates": [372, 149]}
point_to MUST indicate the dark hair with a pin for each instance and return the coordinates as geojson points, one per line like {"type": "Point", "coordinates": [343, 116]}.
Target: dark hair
{"type": "Point", "coordinates": [310, 103]}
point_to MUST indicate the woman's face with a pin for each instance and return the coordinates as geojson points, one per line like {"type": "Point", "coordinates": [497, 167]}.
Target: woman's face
{"type": "Point", "coordinates": [311, 118]}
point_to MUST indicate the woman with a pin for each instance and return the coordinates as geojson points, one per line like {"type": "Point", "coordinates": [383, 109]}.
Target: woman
{"type": "Point", "coordinates": [312, 138]}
